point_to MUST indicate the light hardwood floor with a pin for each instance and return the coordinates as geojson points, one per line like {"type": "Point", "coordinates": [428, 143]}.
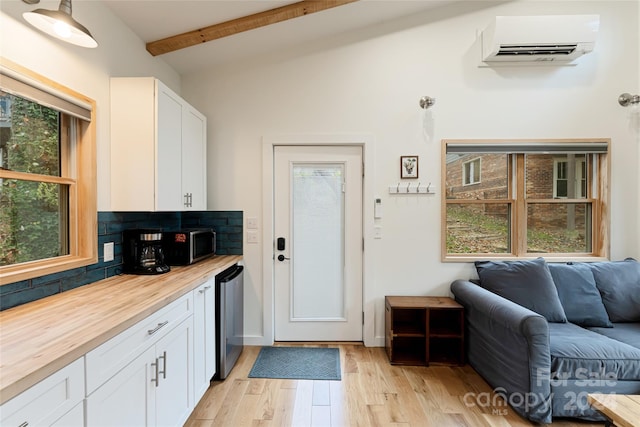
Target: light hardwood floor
{"type": "Point", "coordinates": [371, 393]}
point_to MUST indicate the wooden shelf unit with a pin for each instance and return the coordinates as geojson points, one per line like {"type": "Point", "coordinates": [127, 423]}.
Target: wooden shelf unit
{"type": "Point", "coordinates": [423, 330]}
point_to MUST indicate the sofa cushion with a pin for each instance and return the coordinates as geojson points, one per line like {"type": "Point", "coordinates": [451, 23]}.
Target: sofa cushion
{"type": "Point", "coordinates": [628, 333]}
{"type": "Point", "coordinates": [619, 286]}
{"type": "Point", "coordinates": [579, 353]}
{"type": "Point", "coordinates": [579, 295]}
{"type": "Point", "coordinates": [527, 283]}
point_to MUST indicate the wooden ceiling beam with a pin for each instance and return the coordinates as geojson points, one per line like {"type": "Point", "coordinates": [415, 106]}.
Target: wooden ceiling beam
{"type": "Point", "coordinates": [240, 25]}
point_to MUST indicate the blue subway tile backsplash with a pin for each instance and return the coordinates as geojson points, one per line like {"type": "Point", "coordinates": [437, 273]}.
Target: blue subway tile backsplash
{"type": "Point", "coordinates": [226, 224]}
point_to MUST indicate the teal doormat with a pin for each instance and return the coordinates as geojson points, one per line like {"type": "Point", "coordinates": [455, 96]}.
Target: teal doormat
{"type": "Point", "coordinates": [298, 363]}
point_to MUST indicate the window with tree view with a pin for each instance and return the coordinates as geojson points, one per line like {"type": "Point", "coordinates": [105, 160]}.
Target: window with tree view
{"type": "Point", "coordinates": [34, 203]}
{"type": "Point", "coordinates": [544, 198]}
{"type": "Point", "coordinates": [47, 177]}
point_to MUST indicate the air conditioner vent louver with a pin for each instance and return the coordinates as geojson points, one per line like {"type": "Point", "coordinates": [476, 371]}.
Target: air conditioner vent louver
{"type": "Point", "coordinates": [513, 50]}
{"type": "Point", "coordinates": [553, 38]}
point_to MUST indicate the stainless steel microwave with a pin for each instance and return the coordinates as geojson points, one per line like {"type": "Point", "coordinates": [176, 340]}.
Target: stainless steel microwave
{"type": "Point", "coordinates": [184, 247]}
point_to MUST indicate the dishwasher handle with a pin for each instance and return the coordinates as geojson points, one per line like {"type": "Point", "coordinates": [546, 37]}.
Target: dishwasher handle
{"type": "Point", "coordinates": [232, 273]}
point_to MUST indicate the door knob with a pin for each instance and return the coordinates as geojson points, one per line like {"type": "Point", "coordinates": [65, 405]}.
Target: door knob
{"type": "Point", "coordinates": [282, 257]}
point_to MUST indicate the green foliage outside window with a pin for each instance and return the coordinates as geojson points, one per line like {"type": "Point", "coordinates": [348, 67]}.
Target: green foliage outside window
{"type": "Point", "coordinates": [31, 213]}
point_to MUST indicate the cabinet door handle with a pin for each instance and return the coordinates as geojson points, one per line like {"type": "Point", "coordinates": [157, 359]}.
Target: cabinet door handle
{"type": "Point", "coordinates": [156, 380]}
{"type": "Point", "coordinates": [205, 289]}
{"type": "Point", "coordinates": [164, 365]}
{"type": "Point", "coordinates": [24, 424]}
{"type": "Point", "coordinates": [188, 200]}
{"type": "Point", "coordinates": [157, 328]}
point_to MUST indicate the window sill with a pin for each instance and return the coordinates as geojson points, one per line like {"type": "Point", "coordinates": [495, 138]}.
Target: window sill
{"type": "Point", "coordinates": [548, 257]}
{"type": "Point", "coordinates": [30, 270]}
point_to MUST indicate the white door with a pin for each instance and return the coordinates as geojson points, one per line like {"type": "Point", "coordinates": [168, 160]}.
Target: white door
{"type": "Point", "coordinates": [318, 248]}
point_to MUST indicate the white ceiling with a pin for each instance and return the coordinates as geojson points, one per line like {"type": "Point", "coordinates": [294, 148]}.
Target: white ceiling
{"type": "Point", "coordinates": [156, 19]}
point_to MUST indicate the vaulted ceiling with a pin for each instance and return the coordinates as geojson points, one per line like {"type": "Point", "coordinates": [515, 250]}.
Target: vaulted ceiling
{"type": "Point", "coordinates": [245, 28]}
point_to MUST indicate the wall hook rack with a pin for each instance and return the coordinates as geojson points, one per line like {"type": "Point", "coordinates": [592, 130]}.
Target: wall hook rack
{"type": "Point", "coordinates": [401, 188]}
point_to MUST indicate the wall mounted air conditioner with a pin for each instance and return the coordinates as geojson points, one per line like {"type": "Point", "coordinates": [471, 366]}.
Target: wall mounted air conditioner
{"type": "Point", "coordinates": [549, 38]}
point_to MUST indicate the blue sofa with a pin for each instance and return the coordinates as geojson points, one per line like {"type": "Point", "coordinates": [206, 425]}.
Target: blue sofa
{"type": "Point", "coordinates": [544, 335]}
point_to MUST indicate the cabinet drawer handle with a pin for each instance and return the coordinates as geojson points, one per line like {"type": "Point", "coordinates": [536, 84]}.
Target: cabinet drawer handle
{"type": "Point", "coordinates": [157, 328]}
{"type": "Point", "coordinates": [24, 424]}
{"type": "Point", "coordinates": [156, 380]}
{"type": "Point", "coordinates": [164, 365]}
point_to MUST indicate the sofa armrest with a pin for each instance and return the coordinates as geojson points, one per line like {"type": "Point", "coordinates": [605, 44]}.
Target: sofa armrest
{"type": "Point", "coordinates": [508, 345]}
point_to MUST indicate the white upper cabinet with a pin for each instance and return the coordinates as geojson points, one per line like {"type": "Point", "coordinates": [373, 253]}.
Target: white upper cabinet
{"type": "Point", "coordinates": [158, 148]}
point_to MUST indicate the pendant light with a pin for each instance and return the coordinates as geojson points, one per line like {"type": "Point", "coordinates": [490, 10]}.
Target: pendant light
{"type": "Point", "coordinates": [60, 24]}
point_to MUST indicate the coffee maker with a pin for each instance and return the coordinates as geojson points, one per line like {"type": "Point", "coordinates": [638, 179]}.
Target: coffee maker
{"type": "Point", "coordinates": [142, 252]}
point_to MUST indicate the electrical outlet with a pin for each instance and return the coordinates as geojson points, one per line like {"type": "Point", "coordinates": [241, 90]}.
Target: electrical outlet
{"type": "Point", "coordinates": [108, 252]}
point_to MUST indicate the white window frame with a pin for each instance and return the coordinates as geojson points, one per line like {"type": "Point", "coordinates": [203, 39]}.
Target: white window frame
{"type": "Point", "coordinates": [580, 165]}
{"type": "Point", "coordinates": [471, 166]}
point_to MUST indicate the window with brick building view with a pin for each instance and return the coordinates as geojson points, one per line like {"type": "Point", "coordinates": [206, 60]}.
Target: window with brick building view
{"type": "Point", "coordinates": [511, 199]}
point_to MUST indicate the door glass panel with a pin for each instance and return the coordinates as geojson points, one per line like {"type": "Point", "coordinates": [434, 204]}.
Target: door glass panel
{"type": "Point", "coordinates": [317, 286]}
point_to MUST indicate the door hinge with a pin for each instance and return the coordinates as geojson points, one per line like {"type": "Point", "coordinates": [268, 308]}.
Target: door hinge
{"type": "Point", "coordinates": [363, 317]}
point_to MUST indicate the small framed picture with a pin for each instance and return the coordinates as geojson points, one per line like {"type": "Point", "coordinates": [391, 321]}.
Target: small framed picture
{"type": "Point", "coordinates": [408, 167]}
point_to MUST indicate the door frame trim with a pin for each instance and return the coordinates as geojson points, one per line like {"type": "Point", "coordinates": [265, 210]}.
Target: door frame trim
{"type": "Point", "coordinates": [366, 141]}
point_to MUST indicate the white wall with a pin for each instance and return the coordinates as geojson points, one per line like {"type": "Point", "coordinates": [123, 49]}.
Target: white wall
{"type": "Point", "coordinates": [119, 53]}
{"type": "Point", "coordinates": [370, 81]}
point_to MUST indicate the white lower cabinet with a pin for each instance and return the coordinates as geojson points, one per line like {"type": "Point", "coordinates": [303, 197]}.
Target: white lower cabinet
{"type": "Point", "coordinates": [124, 400]}
{"type": "Point", "coordinates": [55, 401]}
{"type": "Point", "coordinates": [152, 390]}
{"type": "Point", "coordinates": [204, 340]}
{"type": "Point", "coordinates": [174, 376]}
{"type": "Point", "coordinates": [152, 374]}
{"type": "Point", "coordinates": [151, 386]}
{"type": "Point", "coordinates": [73, 418]}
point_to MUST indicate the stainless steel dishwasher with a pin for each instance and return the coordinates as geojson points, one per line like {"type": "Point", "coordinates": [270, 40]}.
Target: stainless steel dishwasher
{"type": "Point", "coordinates": [229, 309]}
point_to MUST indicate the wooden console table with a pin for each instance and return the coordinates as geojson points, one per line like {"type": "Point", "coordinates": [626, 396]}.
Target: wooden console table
{"type": "Point", "coordinates": [623, 410]}
{"type": "Point", "coordinates": [424, 330]}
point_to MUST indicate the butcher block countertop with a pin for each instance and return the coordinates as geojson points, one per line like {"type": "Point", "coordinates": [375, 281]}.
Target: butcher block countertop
{"type": "Point", "coordinates": [41, 337]}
